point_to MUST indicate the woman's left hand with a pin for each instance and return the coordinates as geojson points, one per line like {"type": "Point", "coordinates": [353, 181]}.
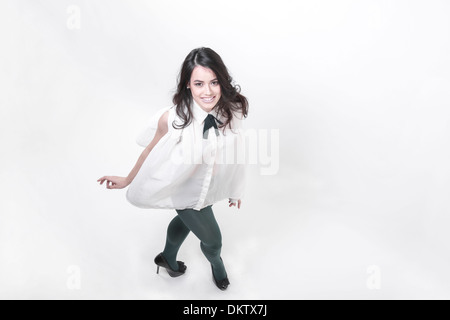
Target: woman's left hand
{"type": "Point", "coordinates": [233, 203]}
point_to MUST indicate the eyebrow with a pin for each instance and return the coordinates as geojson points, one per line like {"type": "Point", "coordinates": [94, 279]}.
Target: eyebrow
{"type": "Point", "coordinates": [202, 81]}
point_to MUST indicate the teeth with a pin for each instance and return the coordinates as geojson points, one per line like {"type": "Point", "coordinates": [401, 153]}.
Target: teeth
{"type": "Point", "coordinates": [208, 100]}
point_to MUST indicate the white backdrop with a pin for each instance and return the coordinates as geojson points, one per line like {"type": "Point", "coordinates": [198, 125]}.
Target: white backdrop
{"type": "Point", "coordinates": [358, 91]}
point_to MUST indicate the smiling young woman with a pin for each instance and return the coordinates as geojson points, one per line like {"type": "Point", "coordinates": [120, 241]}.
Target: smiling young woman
{"type": "Point", "coordinates": [205, 88]}
{"type": "Point", "coordinates": [205, 99]}
{"type": "Point", "coordinates": [205, 62]}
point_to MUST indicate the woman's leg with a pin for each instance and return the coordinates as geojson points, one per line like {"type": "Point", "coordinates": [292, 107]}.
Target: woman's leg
{"type": "Point", "coordinates": [204, 225]}
{"type": "Point", "coordinates": [176, 234]}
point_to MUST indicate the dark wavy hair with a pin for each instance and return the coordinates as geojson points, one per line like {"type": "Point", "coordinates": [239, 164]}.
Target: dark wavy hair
{"type": "Point", "coordinates": [231, 99]}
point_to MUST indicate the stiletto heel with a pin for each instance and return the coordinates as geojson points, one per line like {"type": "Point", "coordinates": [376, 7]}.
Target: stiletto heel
{"type": "Point", "coordinates": [157, 270]}
{"type": "Point", "coordinates": [162, 262]}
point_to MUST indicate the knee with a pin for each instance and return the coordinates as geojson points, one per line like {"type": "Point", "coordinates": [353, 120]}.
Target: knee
{"type": "Point", "coordinates": [212, 247]}
{"type": "Point", "coordinates": [216, 245]}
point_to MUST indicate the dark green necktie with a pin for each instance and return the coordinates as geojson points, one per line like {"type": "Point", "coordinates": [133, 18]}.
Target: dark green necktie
{"type": "Point", "coordinates": [210, 121]}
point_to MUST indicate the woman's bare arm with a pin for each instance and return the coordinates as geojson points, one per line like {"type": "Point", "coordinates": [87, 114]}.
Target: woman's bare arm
{"type": "Point", "coordinates": [113, 182]}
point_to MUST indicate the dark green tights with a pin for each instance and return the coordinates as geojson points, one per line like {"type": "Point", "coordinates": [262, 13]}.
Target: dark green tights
{"type": "Point", "coordinates": [204, 225]}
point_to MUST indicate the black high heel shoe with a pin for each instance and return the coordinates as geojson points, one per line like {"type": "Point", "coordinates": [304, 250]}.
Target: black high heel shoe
{"type": "Point", "coordinates": [222, 284]}
{"type": "Point", "coordinates": [162, 262]}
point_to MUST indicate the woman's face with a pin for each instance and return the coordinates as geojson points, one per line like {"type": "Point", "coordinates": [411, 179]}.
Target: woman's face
{"type": "Point", "coordinates": [205, 88]}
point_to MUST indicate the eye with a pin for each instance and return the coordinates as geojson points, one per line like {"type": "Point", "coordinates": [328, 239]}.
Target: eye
{"type": "Point", "coordinates": [198, 84]}
{"type": "Point", "coordinates": [215, 83]}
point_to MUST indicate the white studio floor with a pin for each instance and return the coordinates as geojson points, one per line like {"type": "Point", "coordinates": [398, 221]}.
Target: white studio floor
{"type": "Point", "coordinates": [271, 252]}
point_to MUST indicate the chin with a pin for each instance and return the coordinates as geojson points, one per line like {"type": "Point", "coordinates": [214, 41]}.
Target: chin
{"type": "Point", "coordinates": [208, 106]}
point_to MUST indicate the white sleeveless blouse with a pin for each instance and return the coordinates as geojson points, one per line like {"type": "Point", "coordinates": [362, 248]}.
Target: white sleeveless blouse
{"type": "Point", "coordinates": [186, 171]}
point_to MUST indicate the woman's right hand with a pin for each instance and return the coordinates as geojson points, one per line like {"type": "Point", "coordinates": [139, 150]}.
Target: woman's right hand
{"type": "Point", "coordinates": [113, 182]}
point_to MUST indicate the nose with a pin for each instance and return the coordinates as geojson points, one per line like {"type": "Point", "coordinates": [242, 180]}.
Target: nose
{"type": "Point", "coordinates": [207, 89]}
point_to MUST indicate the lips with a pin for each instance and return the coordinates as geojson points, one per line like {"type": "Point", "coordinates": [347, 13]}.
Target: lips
{"type": "Point", "coordinates": [208, 100]}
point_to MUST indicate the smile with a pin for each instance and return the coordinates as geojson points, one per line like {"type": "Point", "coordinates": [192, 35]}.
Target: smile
{"type": "Point", "coordinates": [208, 100]}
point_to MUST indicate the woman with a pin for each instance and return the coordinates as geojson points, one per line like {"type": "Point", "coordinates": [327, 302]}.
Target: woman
{"type": "Point", "coordinates": [189, 162]}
